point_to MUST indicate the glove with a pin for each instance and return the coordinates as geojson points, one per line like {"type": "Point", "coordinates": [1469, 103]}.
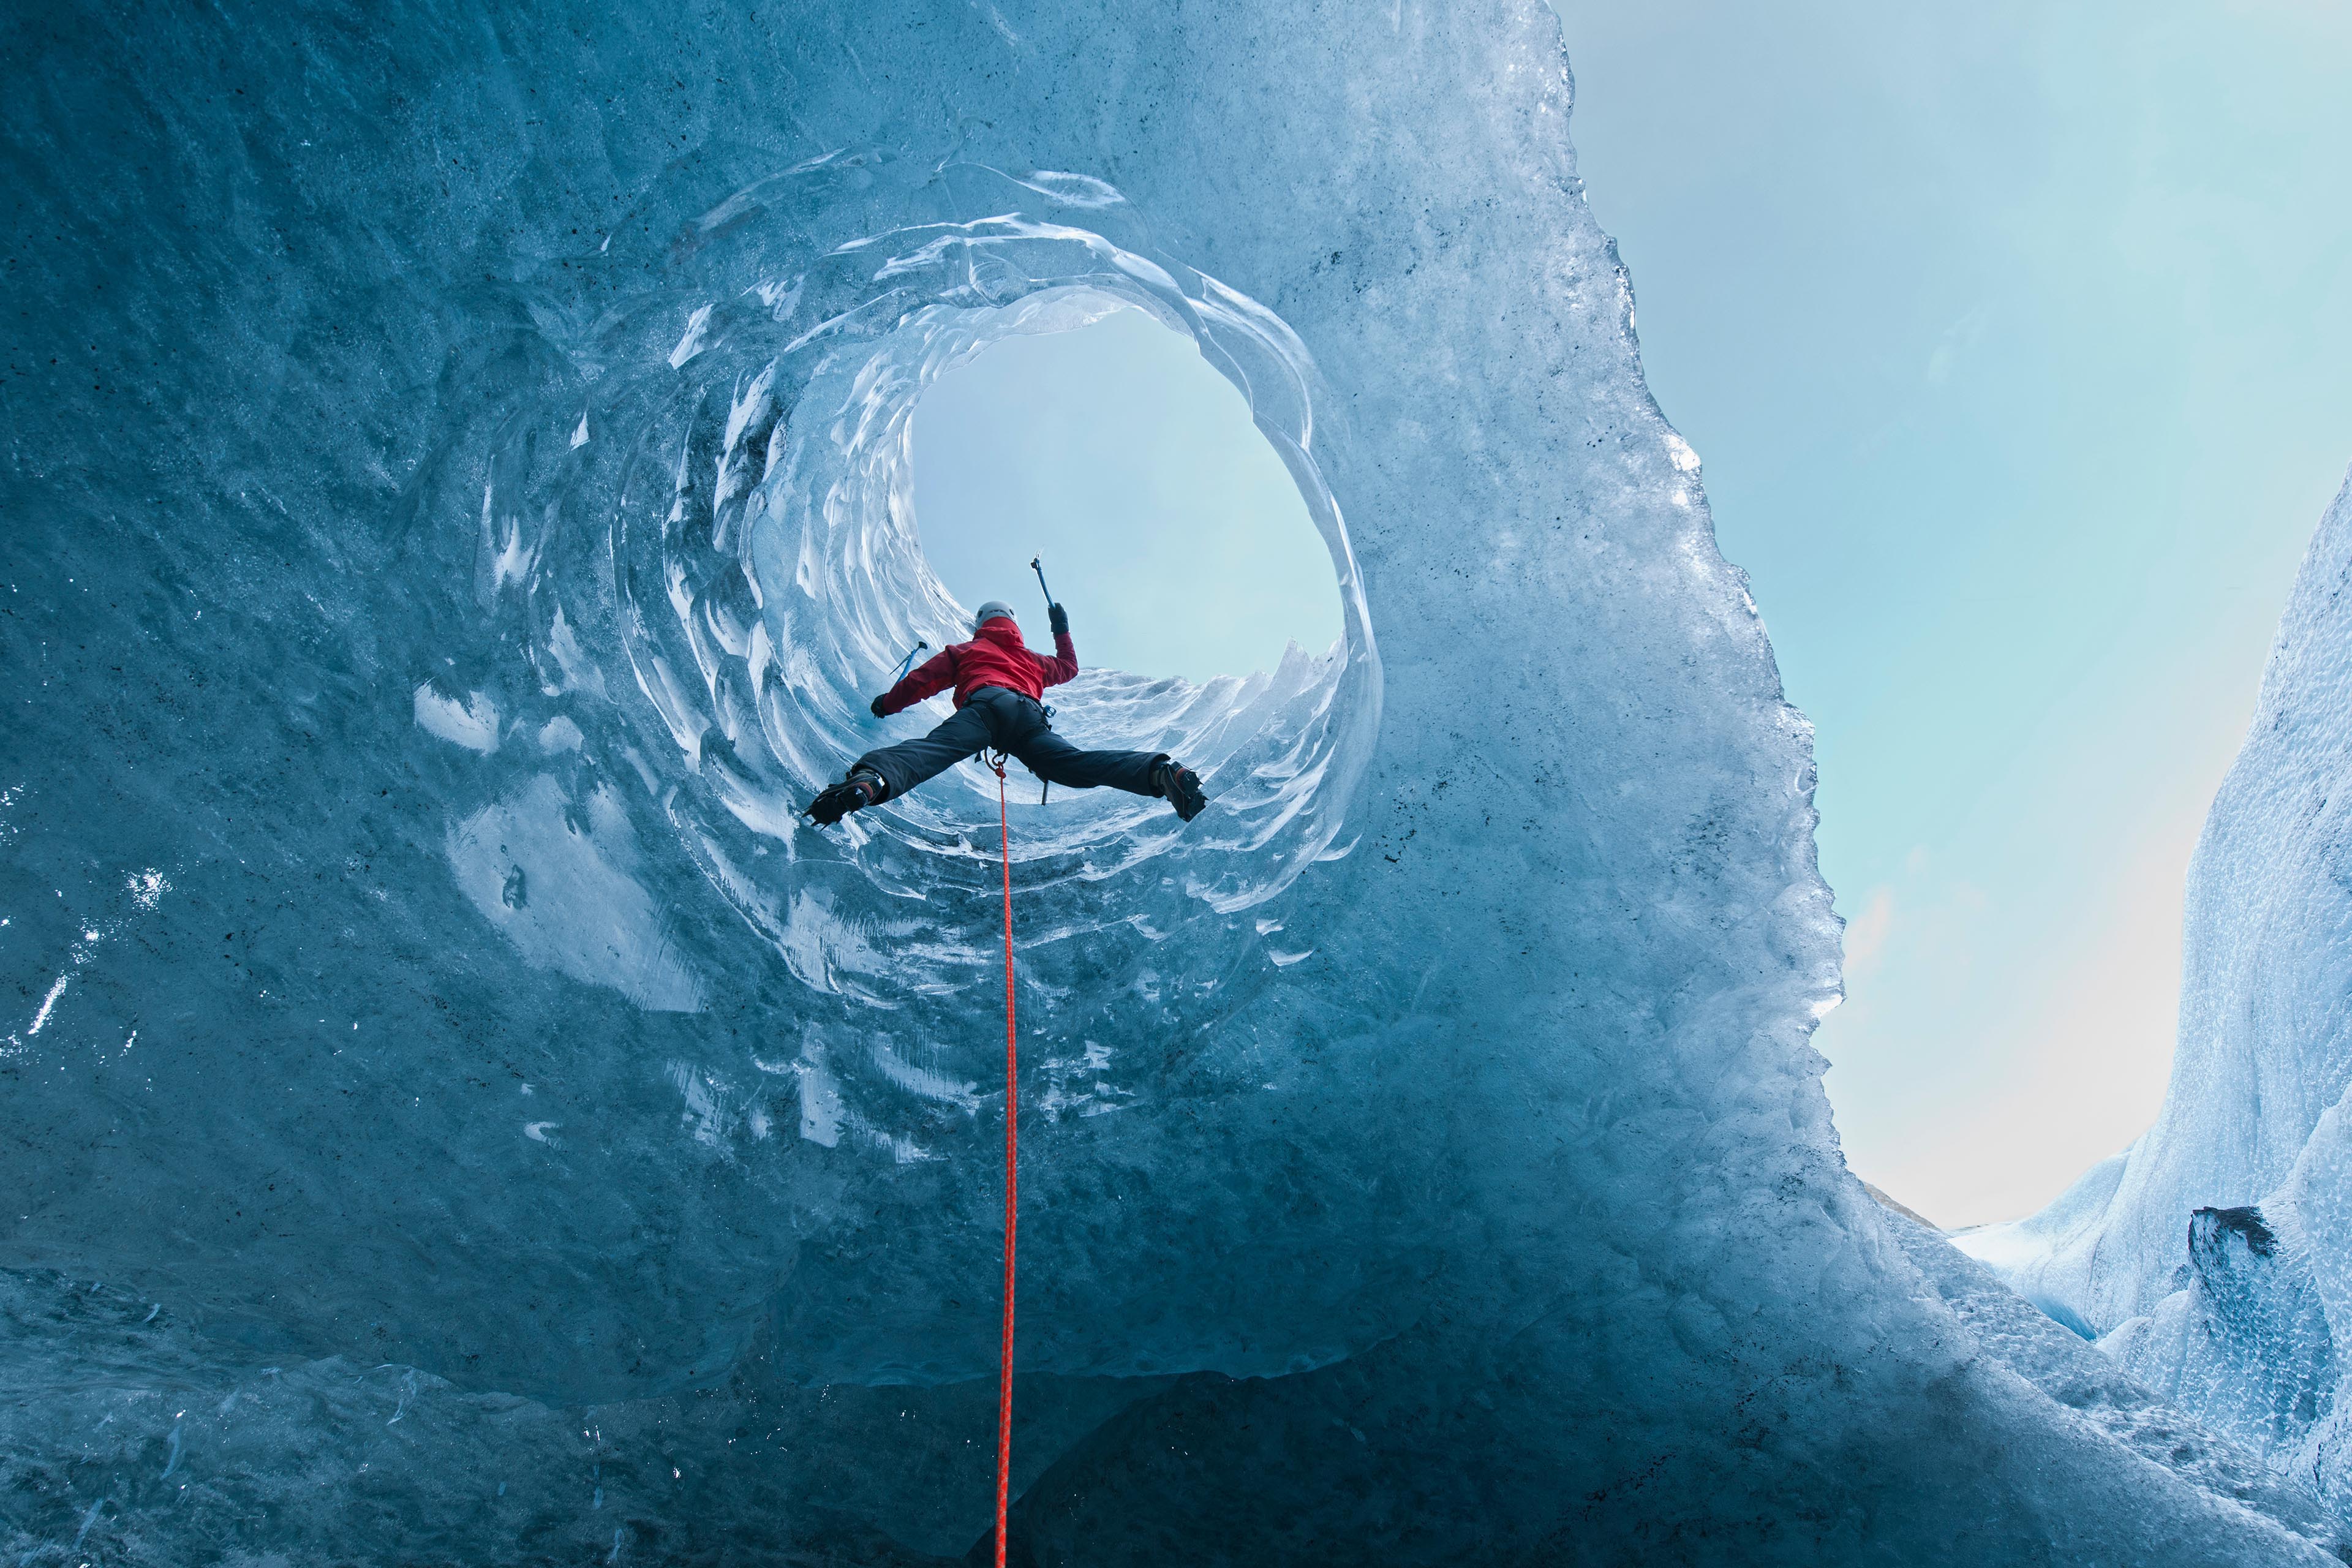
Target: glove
{"type": "Point", "coordinates": [876, 709]}
{"type": "Point", "coordinates": [1060, 618]}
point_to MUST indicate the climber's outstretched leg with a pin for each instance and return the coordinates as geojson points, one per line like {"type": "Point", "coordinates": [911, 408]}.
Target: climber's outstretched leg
{"type": "Point", "coordinates": [892, 770]}
{"type": "Point", "coordinates": [962, 733]}
{"type": "Point", "coordinates": [1056, 761]}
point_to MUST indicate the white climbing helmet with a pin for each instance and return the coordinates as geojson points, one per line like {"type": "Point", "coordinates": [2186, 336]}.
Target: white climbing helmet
{"type": "Point", "coordinates": [989, 611]}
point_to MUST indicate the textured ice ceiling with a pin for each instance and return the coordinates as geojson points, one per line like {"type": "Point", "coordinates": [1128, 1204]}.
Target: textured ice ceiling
{"type": "Point", "coordinates": [457, 502]}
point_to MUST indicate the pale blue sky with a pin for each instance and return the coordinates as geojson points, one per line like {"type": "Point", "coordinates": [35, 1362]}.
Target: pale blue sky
{"type": "Point", "coordinates": [2015, 341]}
{"type": "Point", "coordinates": [1167, 526]}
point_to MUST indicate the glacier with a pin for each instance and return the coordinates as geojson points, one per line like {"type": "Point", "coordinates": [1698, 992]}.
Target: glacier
{"type": "Point", "coordinates": [2210, 1259]}
{"type": "Point", "coordinates": [457, 496]}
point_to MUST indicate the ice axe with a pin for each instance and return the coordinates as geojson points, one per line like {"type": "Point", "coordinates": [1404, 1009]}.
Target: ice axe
{"type": "Point", "coordinates": [1036, 564]}
{"type": "Point", "coordinates": [908, 663]}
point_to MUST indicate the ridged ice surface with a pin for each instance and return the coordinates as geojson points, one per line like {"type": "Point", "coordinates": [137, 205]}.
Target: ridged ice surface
{"type": "Point", "coordinates": [2213, 1258]}
{"type": "Point", "coordinates": [459, 504]}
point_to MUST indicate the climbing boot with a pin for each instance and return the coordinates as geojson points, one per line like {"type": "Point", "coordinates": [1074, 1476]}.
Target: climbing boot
{"type": "Point", "coordinates": [1182, 786]}
{"type": "Point", "coordinates": [861, 789]}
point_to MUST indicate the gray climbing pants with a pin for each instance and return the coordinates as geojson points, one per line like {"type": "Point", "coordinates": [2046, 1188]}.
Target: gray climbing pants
{"type": "Point", "coordinates": [1005, 720]}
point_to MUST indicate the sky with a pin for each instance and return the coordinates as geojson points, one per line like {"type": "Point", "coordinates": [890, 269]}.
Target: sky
{"type": "Point", "coordinates": [1168, 526]}
{"type": "Point", "coordinates": [2013, 339]}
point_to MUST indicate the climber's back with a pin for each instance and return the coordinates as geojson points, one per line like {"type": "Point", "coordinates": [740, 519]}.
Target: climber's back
{"type": "Point", "coordinates": [997, 655]}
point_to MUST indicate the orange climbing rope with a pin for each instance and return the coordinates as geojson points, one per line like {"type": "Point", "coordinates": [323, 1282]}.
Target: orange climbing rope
{"type": "Point", "coordinates": [1011, 1124]}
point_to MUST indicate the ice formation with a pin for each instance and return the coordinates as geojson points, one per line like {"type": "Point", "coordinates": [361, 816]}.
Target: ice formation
{"type": "Point", "coordinates": [457, 483]}
{"type": "Point", "coordinates": [2213, 1257]}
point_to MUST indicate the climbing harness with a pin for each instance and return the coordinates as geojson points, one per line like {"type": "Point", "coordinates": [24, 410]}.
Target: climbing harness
{"type": "Point", "coordinates": [1011, 1125]}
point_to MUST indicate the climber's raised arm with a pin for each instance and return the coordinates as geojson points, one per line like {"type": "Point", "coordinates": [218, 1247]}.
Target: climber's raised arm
{"type": "Point", "coordinates": [1064, 664]}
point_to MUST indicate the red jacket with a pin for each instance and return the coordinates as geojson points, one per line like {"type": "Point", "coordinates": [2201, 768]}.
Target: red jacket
{"type": "Point", "coordinates": [996, 656]}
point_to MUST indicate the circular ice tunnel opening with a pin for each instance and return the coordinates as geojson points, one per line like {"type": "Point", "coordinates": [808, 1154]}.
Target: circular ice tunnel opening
{"type": "Point", "coordinates": [1168, 524]}
{"type": "Point", "coordinates": [843, 592]}
{"type": "Point", "coordinates": [744, 468]}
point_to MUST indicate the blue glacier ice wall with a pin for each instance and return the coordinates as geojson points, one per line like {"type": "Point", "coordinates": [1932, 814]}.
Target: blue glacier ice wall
{"type": "Point", "coordinates": [457, 502]}
{"type": "Point", "coordinates": [2213, 1258]}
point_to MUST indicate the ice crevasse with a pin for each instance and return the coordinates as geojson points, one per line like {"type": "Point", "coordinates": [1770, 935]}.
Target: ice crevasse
{"type": "Point", "coordinates": [2208, 1260]}
{"type": "Point", "coordinates": [458, 482]}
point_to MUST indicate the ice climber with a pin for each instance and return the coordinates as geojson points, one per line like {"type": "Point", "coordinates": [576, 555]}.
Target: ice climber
{"type": "Point", "coordinates": [999, 685]}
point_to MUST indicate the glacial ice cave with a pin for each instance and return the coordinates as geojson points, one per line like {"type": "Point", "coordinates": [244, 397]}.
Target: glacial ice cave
{"type": "Point", "coordinates": [456, 504]}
